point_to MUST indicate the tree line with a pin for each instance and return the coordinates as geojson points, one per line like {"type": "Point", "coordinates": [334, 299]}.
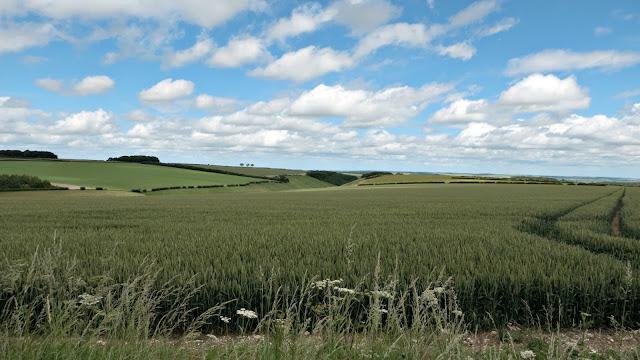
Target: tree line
{"type": "Point", "coordinates": [28, 154]}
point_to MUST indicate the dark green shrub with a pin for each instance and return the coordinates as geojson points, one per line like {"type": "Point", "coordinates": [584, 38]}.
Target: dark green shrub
{"type": "Point", "coordinates": [332, 177]}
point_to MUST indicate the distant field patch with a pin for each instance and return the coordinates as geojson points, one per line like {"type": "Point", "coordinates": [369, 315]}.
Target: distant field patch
{"type": "Point", "coordinates": [406, 179]}
{"type": "Point", "coordinates": [116, 176]}
{"type": "Point", "coordinates": [254, 171]}
{"type": "Point", "coordinates": [296, 182]}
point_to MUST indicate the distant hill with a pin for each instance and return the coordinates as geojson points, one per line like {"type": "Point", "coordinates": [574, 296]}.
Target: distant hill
{"type": "Point", "coordinates": [116, 175]}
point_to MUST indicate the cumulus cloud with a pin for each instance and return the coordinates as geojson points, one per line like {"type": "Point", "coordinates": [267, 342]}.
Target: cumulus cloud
{"type": "Point", "coordinates": [86, 123]}
{"type": "Point", "coordinates": [166, 91]}
{"type": "Point", "coordinates": [410, 35]}
{"type": "Point", "coordinates": [539, 92]}
{"type": "Point", "coordinates": [93, 85]}
{"type": "Point", "coordinates": [565, 60]}
{"type": "Point", "coordinates": [420, 36]}
{"type": "Point", "coordinates": [534, 94]}
{"type": "Point", "coordinates": [203, 47]}
{"type": "Point", "coordinates": [239, 51]}
{"type": "Point", "coordinates": [462, 111]}
{"type": "Point", "coordinates": [361, 108]}
{"type": "Point", "coordinates": [90, 85]}
{"type": "Point", "coordinates": [461, 50]}
{"type": "Point", "coordinates": [305, 64]}
{"type": "Point", "coordinates": [303, 19]}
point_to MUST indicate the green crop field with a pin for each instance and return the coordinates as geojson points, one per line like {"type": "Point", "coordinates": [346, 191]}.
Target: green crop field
{"type": "Point", "coordinates": [514, 251]}
{"type": "Point", "coordinates": [116, 176]}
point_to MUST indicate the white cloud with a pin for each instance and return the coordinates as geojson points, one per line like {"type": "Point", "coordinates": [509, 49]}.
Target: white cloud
{"type": "Point", "coordinates": [431, 3]}
{"type": "Point", "coordinates": [361, 108]}
{"type": "Point", "coordinates": [305, 64]}
{"type": "Point", "coordinates": [200, 12]}
{"type": "Point", "coordinates": [215, 104]}
{"type": "Point", "coordinates": [166, 91]}
{"type": "Point", "coordinates": [539, 92]}
{"type": "Point", "coordinates": [203, 47]}
{"type": "Point", "coordinates": [420, 36]}
{"type": "Point", "coordinates": [410, 35]}
{"type": "Point", "coordinates": [90, 85]}
{"type": "Point", "coordinates": [15, 37]}
{"type": "Point", "coordinates": [474, 13]}
{"type": "Point", "coordinates": [303, 19]}
{"type": "Point", "coordinates": [359, 16]}
{"type": "Point", "coordinates": [602, 30]}
{"type": "Point", "coordinates": [564, 60]}
{"type": "Point", "coordinates": [31, 59]}
{"type": "Point", "coordinates": [461, 50]}
{"type": "Point", "coordinates": [503, 25]}
{"type": "Point", "coordinates": [362, 16]}
{"type": "Point", "coordinates": [272, 107]}
{"type": "Point", "coordinates": [627, 94]}
{"type": "Point", "coordinates": [86, 123]}
{"type": "Point", "coordinates": [140, 116]}
{"type": "Point", "coordinates": [11, 102]}
{"type": "Point", "coordinates": [93, 85]}
{"type": "Point", "coordinates": [462, 111]}
{"type": "Point", "coordinates": [50, 84]}
{"type": "Point", "coordinates": [238, 52]}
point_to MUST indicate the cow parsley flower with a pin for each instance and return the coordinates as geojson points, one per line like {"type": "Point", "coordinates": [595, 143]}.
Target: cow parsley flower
{"type": "Point", "coordinates": [247, 313]}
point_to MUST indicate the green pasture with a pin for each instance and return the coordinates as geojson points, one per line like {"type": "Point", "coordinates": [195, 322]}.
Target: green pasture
{"type": "Point", "coordinates": [115, 175]}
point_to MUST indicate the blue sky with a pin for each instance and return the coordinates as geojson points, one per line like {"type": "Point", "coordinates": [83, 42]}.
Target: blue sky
{"type": "Point", "coordinates": [519, 87]}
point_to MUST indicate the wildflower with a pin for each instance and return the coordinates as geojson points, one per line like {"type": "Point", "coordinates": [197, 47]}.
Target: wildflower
{"type": "Point", "coordinates": [457, 312]}
{"type": "Point", "coordinates": [430, 296]}
{"type": "Point", "coordinates": [383, 294]}
{"type": "Point", "coordinates": [247, 313]}
{"type": "Point", "coordinates": [527, 354]}
{"type": "Point", "coordinates": [345, 290]}
{"type": "Point", "coordinates": [584, 314]}
{"type": "Point", "coordinates": [326, 283]}
{"type": "Point", "coordinates": [384, 311]}
{"type": "Point", "coordinates": [225, 319]}
{"type": "Point", "coordinates": [438, 290]}
{"type": "Point", "coordinates": [89, 300]}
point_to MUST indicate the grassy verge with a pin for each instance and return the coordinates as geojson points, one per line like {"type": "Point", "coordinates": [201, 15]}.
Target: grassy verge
{"type": "Point", "coordinates": [51, 311]}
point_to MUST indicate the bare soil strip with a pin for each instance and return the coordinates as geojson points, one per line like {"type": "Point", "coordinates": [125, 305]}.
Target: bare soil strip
{"type": "Point", "coordinates": [615, 222]}
{"type": "Point", "coordinates": [71, 187]}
